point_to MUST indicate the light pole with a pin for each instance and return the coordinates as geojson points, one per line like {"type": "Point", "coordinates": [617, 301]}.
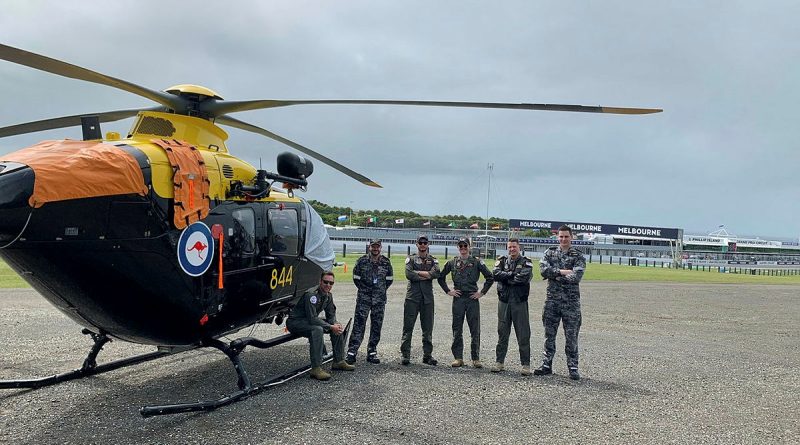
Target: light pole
{"type": "Point", "coordinates": [490, 167]}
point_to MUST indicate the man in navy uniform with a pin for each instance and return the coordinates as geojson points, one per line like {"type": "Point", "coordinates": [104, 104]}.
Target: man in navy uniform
{"type": "Point", "coordinates": [563, 268]}
{"type": "Point", "coordinates": [372, 275]}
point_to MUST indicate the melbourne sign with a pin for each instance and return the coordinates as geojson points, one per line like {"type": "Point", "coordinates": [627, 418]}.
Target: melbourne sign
{"type": "Point", "coordinates": [606, 229]}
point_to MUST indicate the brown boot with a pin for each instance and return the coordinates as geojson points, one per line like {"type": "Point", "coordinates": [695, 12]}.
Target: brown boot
{"type": "Point", "coordinates": [457, 363]}
{"type": "Point", "coordinates": [477, 364]}
{"type": "Point", "coordinates": [319, 374]}
{"type": "Point", "coordinates": [526, 370]}
{"type": "Point", "coordinates": [498, 367]}
{"type": "Point", "coordinates": [343, 366]}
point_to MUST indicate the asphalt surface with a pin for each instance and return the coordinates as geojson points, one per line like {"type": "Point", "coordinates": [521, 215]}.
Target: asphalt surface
{"type": "Point", "coordinates": [662, 363]}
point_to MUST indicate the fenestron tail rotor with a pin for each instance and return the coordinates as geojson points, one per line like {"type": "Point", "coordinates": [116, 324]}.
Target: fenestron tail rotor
{"type": "Point", "coordinates": [197, 101]}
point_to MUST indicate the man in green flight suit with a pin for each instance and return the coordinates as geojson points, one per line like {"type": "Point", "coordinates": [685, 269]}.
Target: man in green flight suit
{"type": "Point", "coordinates": [304, 321]}
{"type": "Point", "coordinates": [513, 275]}
{"type": "Point", "coordinates": [466, 270]}
{"type": "Point", "coordinates": [421, 270]}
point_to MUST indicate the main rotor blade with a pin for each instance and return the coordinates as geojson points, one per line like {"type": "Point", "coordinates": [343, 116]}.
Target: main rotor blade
{"type": "Point", "coordinates": [219, 108]}
{"type": "Point", "coordinates": [227, 120]}
{"type": "Point", "coordinates": [65, 69]}
{"type": "Point", "coordinates": [68, 121]}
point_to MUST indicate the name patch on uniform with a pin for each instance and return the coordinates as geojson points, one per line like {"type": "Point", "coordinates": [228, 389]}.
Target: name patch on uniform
{"type": "Point", "coordinates": [313, 299]}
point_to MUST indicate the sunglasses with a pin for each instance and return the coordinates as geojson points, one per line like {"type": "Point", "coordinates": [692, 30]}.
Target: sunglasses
{"type": "Point", "coordinates": [462, 245]}
{"type": "Point", "coordinates": [422, 243]}
{"type": "Point", "coordinates": [329, 283]}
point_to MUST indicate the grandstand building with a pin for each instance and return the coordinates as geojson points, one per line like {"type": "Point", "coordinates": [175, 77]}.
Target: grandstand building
{"type": "Point", "coordinates": [619, 242]}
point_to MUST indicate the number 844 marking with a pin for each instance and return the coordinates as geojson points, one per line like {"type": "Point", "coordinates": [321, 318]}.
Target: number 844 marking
{"type": "Point", "coordinates": [282, 278]}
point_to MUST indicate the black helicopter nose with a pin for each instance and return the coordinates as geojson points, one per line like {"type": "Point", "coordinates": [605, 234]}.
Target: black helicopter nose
{"type": "Point", "coordinates": [16, 185]}
{"type": "Point", "coordinates": [16, 188]}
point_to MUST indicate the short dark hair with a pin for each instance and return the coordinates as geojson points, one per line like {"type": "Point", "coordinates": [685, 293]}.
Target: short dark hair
{"type": "Point", "coordinates": [565, 228]}
{"type": "Point", "coordinates": [327, 272]}
{"type": "Point", "coordinates": [513, 240]}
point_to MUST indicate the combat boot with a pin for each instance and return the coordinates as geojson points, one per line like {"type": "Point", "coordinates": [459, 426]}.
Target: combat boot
{"type": "Point", "coordinates": [543, 370]}
{"type": "Point", "coordinates": [457, 363]}
{"type": "Point", "coordinates": [498, 367]}
{"type": "Point", "coordinates": [574, 374]}
{"type": "Point", "coordinates": [477, 364]}
{"type": "Point", "coordinates": [319, 374]}
{"type": "Point", "coordinates": [526, 370]}
{"type": "Point", "coordinates": [430, 361]}
{"type": "Point", "coordinates": [343, 366]}
{"type": "Point", "coordinates": [405, 361]}
{"type": "Point", "coordinates": [351, 358]}
{"type": "Point", "coordinates": [372, 357]}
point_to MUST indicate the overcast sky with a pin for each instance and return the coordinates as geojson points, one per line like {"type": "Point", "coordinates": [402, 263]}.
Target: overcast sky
{"type": "Point", "coordinates": [726, 73]}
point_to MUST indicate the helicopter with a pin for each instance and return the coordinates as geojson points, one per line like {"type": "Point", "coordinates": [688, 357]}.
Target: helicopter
{"type": "Point", "coordinates": [163, 237]}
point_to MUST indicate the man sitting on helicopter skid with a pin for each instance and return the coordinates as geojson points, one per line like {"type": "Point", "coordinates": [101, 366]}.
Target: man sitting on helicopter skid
{"type": "Point", "coordinates": [304, 321]}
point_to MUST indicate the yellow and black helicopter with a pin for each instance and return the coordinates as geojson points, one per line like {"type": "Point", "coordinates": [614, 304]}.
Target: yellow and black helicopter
{"type": "Point", "coordinates": [163, 237]}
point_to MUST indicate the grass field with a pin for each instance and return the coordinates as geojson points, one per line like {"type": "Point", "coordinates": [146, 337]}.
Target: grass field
{"type": "Point", "coordinates": [611, 272]}
{"type": "Point", "coordinates": [594, 272]}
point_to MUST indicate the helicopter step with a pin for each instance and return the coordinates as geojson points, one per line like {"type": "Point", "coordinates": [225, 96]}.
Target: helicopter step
{"type": "Point", "coordinates": [89, 367]}
{"type": "Point", "coordinates": [246, 387]}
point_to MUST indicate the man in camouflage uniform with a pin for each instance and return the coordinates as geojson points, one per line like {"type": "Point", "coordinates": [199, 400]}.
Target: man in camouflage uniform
{"type": "Point", "coordinates": [304, 321]}
{"type": "Point", "coordinates": [372, 275]}
{"type": "Point", "coordinates": [563, 268]}
{"type": "Point", "coordinates": [466, 270]}
{"type": "Point", "coordinates": [513, 276]}
{"type": "Point", "coordinates": [421, 270]}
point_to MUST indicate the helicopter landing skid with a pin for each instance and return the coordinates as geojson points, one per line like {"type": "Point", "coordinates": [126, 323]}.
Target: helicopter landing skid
{"type": "Point", "coordinates": [89, 367]}
{"type": "Point", "coordinates": [246, 387]}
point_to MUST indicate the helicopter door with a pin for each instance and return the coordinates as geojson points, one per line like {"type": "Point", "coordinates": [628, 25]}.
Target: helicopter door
{"type": "Point", "coordinates": [284, 245]}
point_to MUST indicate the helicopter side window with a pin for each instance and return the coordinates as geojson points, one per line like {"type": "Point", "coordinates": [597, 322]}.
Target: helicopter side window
{"type": "Point", "coordinates": [283, 231]}
{"type": "Point", "coordinates": [245, 229]}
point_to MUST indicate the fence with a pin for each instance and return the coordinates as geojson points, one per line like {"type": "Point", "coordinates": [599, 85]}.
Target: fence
{"type": "Point", "coordinates": [360, 248]}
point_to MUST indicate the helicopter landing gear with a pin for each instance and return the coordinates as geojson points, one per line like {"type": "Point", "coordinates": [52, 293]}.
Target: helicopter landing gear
{"type": "Point", "coordinates": [90, 366]}
{"type": "Point", "coordinates": [246, 387]}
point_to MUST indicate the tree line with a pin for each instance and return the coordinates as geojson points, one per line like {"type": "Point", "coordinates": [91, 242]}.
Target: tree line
{"type": "Point", "coordinates": [341, 216]}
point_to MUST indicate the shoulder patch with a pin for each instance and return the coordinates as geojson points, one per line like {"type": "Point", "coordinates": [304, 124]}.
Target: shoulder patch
{"type": "Point", "coordinates": [408, 259]}
{"type": "Point", "coordinates": [528, 263]}
{"type": "Point", "coordinates": [497, 263]}
{"type": "Point", "coordinates": [313, 299]}
{"type": "Point", "coordinates": [435, 261]}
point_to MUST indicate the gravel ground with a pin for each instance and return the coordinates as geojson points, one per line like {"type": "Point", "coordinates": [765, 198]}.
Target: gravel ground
{"type": "Point", "coordinates": [662, 363]}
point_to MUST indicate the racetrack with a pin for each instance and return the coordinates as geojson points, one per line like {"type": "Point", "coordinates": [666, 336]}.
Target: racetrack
{"type": "Point", "coordinates": [662, 363]}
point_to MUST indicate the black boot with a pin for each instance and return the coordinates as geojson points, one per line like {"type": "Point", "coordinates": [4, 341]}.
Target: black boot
{"type": "Point", "coordinates": [372, 357]}
{"type": "Point", "coordinates": [574, 374]}
{"type": "Point", "coordinates": [351, 358]}
{"type": "Point", "coordinates": [543, 370]}
{"type": "Point", "coordinates": [430, 361]}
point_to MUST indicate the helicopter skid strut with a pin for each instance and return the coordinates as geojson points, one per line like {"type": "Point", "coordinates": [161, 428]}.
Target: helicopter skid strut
{"type": "Point", "coordinates": [246, 387]}
{"type": "Point", "coordinates": [231, 350]}
{"type": "Point", "coordinates": [89, 367]}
